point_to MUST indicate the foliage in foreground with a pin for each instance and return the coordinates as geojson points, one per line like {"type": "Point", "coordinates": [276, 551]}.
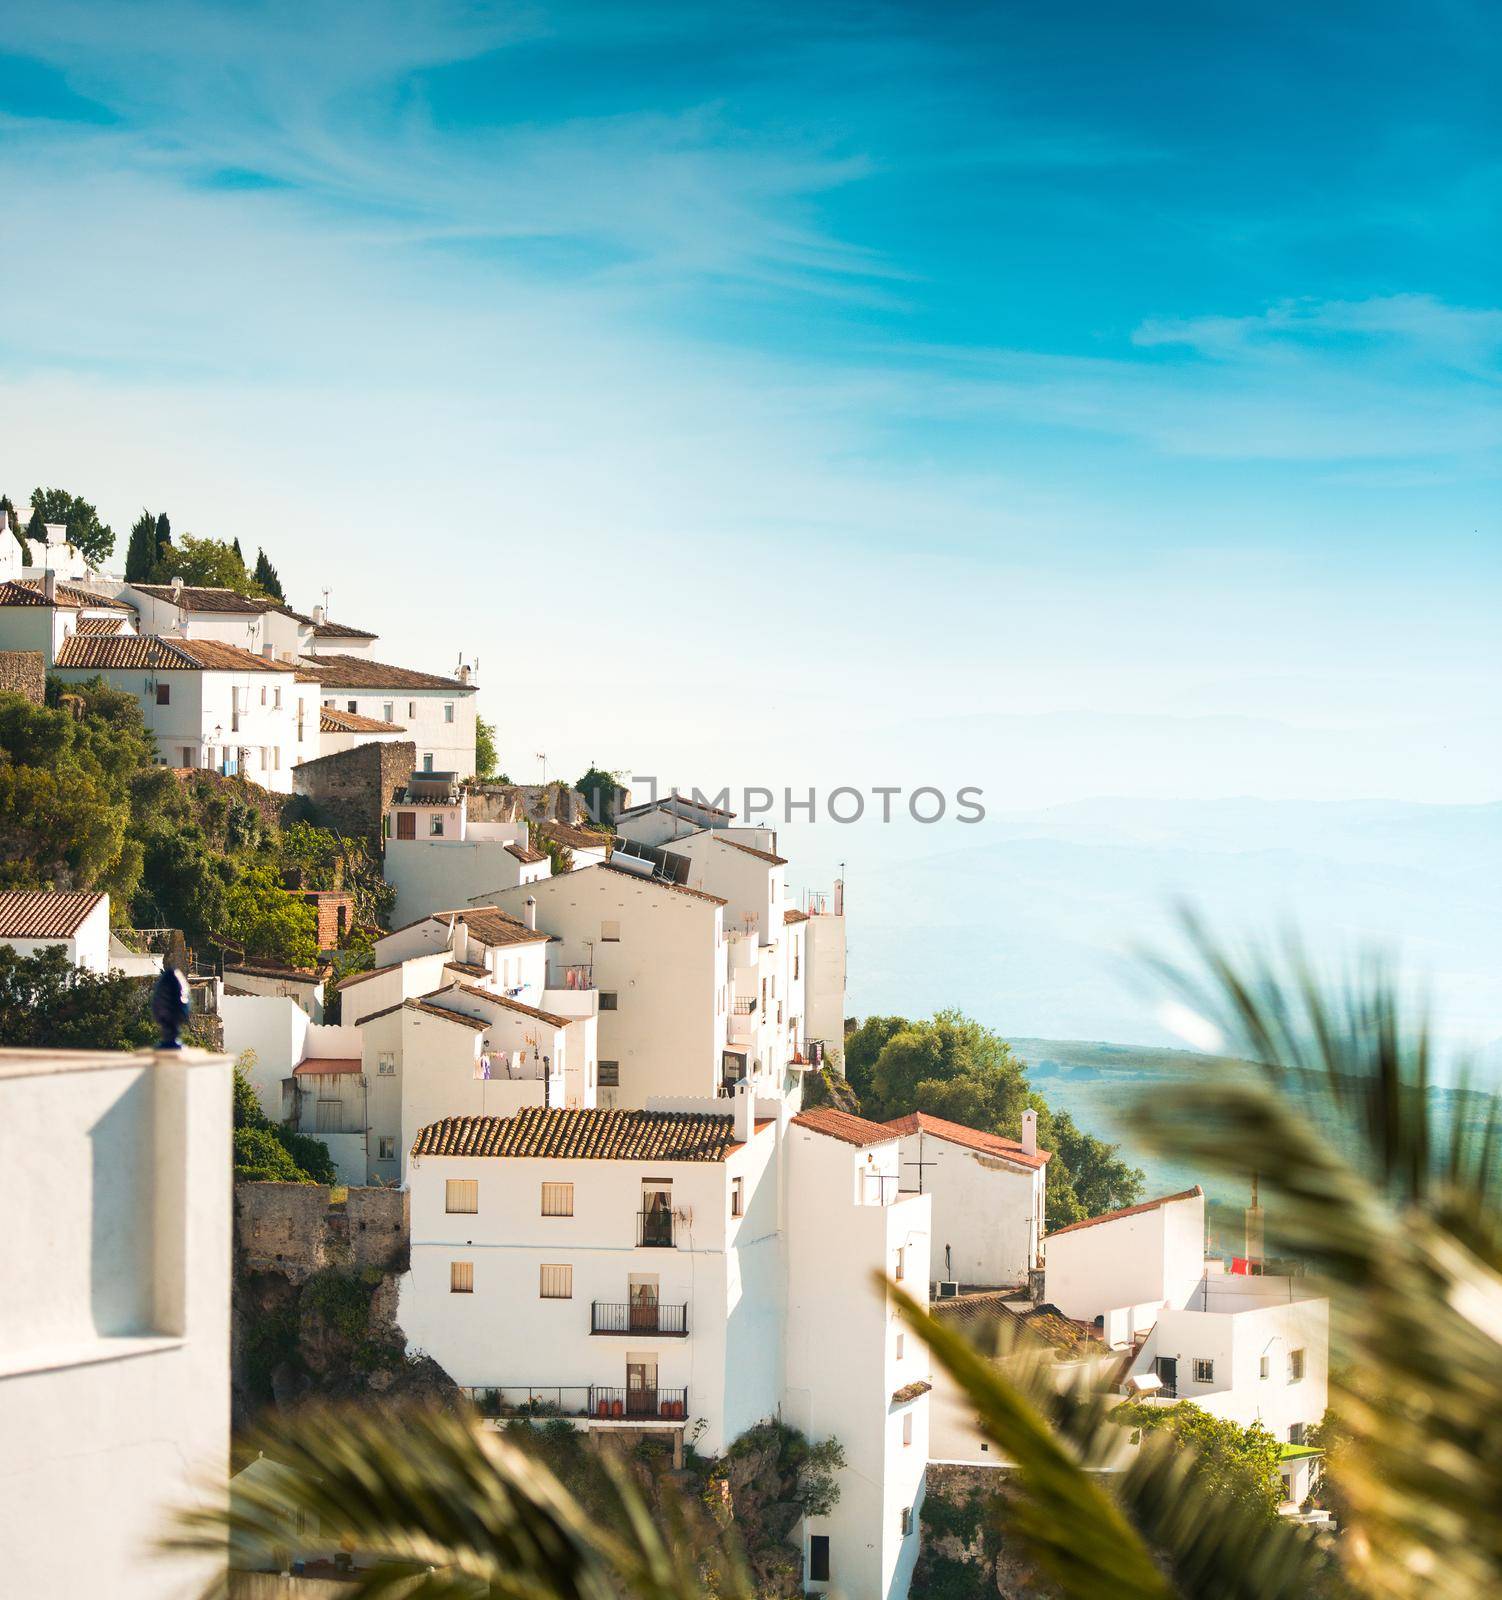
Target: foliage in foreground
{"type": "Point", "coordinates": [950, 1066]}
{"type": "Point", "coordinates": [266, 1152]}
{"type": "Point", "coordinates": [48, 1003]}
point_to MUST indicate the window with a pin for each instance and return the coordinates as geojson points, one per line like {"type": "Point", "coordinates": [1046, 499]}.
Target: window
{"type": "Point", "coordinates": [276, 698]}
{"type": "Point", "coordinates": [1264, 1368]}
{"type": "Point", "coordinates": [187, 756]}
{"type": "Point", "coordinates": [901, 1271]}
{"type": "Point", "coordinates": [386, 1064]}
{"type": "Point", "coordinates": [406, 824]}
{"type": "Point", "coordinates": [1296, 1433]}
{"type": "Point", "coordinates": [326, 1116]}
{"type": "Point", "coordinates": [795, 958]}
{"type": "Point", "coordinates": [329, 703]}
{"type": "Point", "coordinates": [388, 711]}
{"type": "Point", "coordinates": [387, 1150]}
{"type": "Point", "coordinates": [462, 1195]}
{"type": "Point", "coordinates": [557, 1199]}
{"type": "Point", "coordinates": [557, 1283]}
{"type": "Point", "coordinates": [1295, 1366]}
{"type": "Point", "coordinates": [818, 1558]}
{"type": "Point", "coordinates": [907, 1427]}
{"type": "Point", "coordinates": [164, 694]}
{"type": "Point", "coordinates": [610, 932]}
{"type": "Point", "coordinates": [1204, 1371]}
{"type": "Point", "coordinates": [907, 1520]}
{"type": "Point", "coordinates": [901, 1345]}
{"type": "Point", "coordinates": [737, 1197]}
{"type": "Point", "coordinates": [607, 1000]}
{"type": "Point", "coordinates": [461, 1277]}
{"type": "Point", "coordinates": [411, 708]}
{"type": "Point", "coordinates": [435, 827]}
{"type": "Point", "coordinates": [610, 1075]}
{"type": "Point", "coordinates": [351, 705]}
{"type": "Point", "coordinates": [427, 763]}
{"type": "Point", "coordinates": [448, 711]}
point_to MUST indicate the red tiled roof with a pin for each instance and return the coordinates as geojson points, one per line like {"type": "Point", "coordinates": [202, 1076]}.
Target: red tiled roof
{"type": "Point", "coordinates": [843, 1125]}
{"type": "Point", "coordinates": [99, 627]}
{"type": "Point", "coordinates": [594, 1135]}
{"type": "Point", "coordinates": [356, 672]}
{"type": "Point", "coordinates": [31, 592]}
{"type": "Point", "coordinates": [157, 654]}
{"type": "Point", "coordinates": [506, 1003]}
{"type": "Point", "coordinates": [196, 598]}
{"type": "Point", "coordinates": [327, 1066]}
{"type": "Point", "coordinates": [574, 838]}
{"type": "Point", "coordinates": [750, 850]}
{"type": "Point", "coordinates": [1128, 1211]}
{"type": "Point", "coordinates": [792, 915]}
{"type": "Point", "coordinates": [331, 720]}
{"type": "Point", "coordinates": [492, 926]}
{"type": "Point", "coordinates": [991, 1144]}
{"type": "Point", "coordinates": [1043, 1323]}
{"type": "Point", "coordinates": [41, 914]}
{"type": "Point", "coordinates": [525, 854]}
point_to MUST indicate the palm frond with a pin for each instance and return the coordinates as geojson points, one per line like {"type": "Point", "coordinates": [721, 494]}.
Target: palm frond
{"type": "Point", "coordinates": [444, 1509]}
{"type": "Point", "coordinates": [1107, 1528]}
{"type": "Point", "coordinates": [1398, 1216]}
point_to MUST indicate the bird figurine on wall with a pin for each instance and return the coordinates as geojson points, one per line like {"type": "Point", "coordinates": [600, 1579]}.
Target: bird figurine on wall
{"type": "Point", "coordinates": [170, 1006]}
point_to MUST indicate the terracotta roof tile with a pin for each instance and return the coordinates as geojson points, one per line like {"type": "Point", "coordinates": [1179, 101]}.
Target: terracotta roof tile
{"type": "Point", "coordinates": [792, 915]}
{"type": "Point", "coordinates": [991, 1144]}
{"type": "Point", "coordinates": [526, 855]}
{"type": "Point", "coordinates": [843, 1125]}
{"type": "Point", "coordinates": [1127, 1211]}
{"type": "Point", "coordinates": [156, 654]}
{"type": "Point", "coordinates": [196, 598]}
{"type": "Point", "coordinates": [331, 720]}
{"type": "Point", "coordinates": [99, 627]}
{"type": "Point", "coordinates": [356, 672]}
{"type": "Point", "coordinates": [327, 1066]}
{"type": "Point", "coordinates": [478, 1024]}
{"type": "Point", "coordinates": [574, 838]}
{"type": "Point", "coordinates": [30, 592]}
{"type": "Point", "coordinates": [1044, 1323]}
{"type": "Point", "coordinates": [594, 1135]}
{"type": "Point", "coordinates": [27, 914]}
{"type": "Point", "coordinates": [492, 926]}
{"type": "Point", "coordinates": [751, 850]}
{"type": "Point", "coordinates": [506, 1003]}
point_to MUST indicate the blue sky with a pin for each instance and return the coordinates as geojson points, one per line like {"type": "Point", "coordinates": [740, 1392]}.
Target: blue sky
{"type": "Point", "coordinates": [805, 393]}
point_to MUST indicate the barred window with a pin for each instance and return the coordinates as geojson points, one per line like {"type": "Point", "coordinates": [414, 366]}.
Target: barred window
{"type": "Point", "coordinates": [461, 1277]}
{"type": "Point", "coordinates": [1204, 1371]}
{"type": "Point", "coordinates": [557, 1199]}
{"type": "Point", "coordinates": [462, 1195]}
{"type": "Point", "coordinates": [557, 1283]}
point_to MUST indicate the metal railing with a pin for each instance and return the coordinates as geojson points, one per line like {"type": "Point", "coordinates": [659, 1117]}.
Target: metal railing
{"type": "Point", "coordinates": [654, 1229]}
{"type": "Point", "coordinates": [638, 1316]}
{"type": "Point", "coordinates": [596, 1401]}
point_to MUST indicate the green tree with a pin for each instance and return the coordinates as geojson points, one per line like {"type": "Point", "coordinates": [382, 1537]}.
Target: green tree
{"type": "Point", "coordinates": [206, 563]}
{"type": "Point", "coordinates": [85, 531]}
{"type": "Point", "coordinates": [264, 1151]}
{"type": "Point", "coordinates": [1241, 1462]}
{"type": "Point", "coordinates": [141, 552]}
{"type": "Point", "coordinates": [863, 1044]}
{"type": "Point", "coordinates": [266, 578]}
{"type": "Point", "coordinates": [163, 544]}
{"type": "Point", "coordinates": [916, 1064]}
{"type": "Point", "coordinates": [486, 755]}
{"type": "Point", "coordinates": [46, 1003]}
{"type": "Point", "coordinates": [599, 790]}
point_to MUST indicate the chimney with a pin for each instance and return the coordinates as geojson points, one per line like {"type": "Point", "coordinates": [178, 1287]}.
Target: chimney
{"type": "Point", "coordinates": [839, 897]}
{"type": "Point", "coordinates": [1254, 1228]}
{"type": "Point", "coordinates": [1029, 1133]}
{"type": "Point", "coordinates": [745, 1111]}
{"type": "Point", "coordinates": [463, 674]}
{"type": "Point", "coordinates": [318, 616]}
{"type": "Point", "coordinates": [529, 913]}
{"type": "Point", "coordinates": [177, 591]}
{"type": "Point", "coordinates": [49, 586]}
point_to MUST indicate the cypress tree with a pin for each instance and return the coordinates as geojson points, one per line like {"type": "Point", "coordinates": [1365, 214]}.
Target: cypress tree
{"type": "Point", "coordinates": [266, 577]}
{"type": "Point", "coordinates": [141, 552]}
{"type": "Point", "coordinates": [163, 547]}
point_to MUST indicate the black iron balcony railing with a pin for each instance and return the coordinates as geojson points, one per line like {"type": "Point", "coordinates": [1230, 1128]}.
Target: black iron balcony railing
{"type": "Point", "coordinates": [654, 1229]}
{"type": "Point", "coordinates": [592, 1400]}
{"type": "Point", "coordinates": [667, 1405]}
{"type": "Point", "coordinates": [639, 1316]}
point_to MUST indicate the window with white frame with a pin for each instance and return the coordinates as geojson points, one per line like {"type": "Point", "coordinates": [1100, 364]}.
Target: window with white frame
{"type": "Point", "coordinates": [386, 1064]}
{"type": "Point", "coordinates": [461, 1277]}
{"type": "Point", "coordinates": [387, 1147]}
{"type": "Point", "coordinates": [462, 1196]}
{"type": "Point", "coordinates": [1264, 1368]}
{"type": "Point", "coordinates": [1204, 1370]}
{"type": "Point", "coordinates": [556, 1282]}
{"type": "Point", "coordinates": [1295, 1366]}
{"type": "Point", "coordinates": [388, 711]}
{"type": "Point", "coordinates": [557, 1199]}
{"type": "Point", "coordinates": [448, 711]}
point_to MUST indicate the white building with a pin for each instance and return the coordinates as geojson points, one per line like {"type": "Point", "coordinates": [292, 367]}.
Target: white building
{"type": "Point", "coordinates": [654, 954]}
{"type": "Point", "coordinates": [656, 822]}
{"type": "Point", "coordinates": [438, 713]}
{"type": "Point", "coordinates": [437, 855]}
{"type": "Point", "coordinates": [343, 730]}
{"type": "Point", "coordinates": [988, 1193]}
{"type": "Point", "coordinates": [41, 614]}
{"type": "Point", "coordinates": [283, 1037]}
{"type": "Point", "coordinates": [114, 1362]}
{"type": "Point", "coordinates": [207, 704]}
{"type": "Point", "coordinates": [54, 553]}
{"type": "Point", "coordinates": [248, 622]}
{"type": "Point", "coordinates": [483, 943]}
{"type": "Point", "coordinates": [79, 921]}
{"type": "Point", "coordinates": [685, 1267]}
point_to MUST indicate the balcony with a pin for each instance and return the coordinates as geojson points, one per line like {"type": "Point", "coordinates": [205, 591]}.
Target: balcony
{"type": "Point", "coordinates": [597, 1402]}
{"type": "Point", "coordinates": [639, 1316]}
{"type": "Point", "coordinates": [654, 1230]}
{"type": "Point", "coordinates": [571, 975]}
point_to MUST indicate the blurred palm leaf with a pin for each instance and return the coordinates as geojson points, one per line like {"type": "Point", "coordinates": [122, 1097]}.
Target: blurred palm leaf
{"type": "Point", "coordinates": [1154, 1529]}
{"type": "Point", "coordinates": [443, 1509]}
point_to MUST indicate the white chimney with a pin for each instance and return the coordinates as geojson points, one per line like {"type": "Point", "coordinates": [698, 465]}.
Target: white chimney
{"type": "Point", "coordinates": [529, 913]}
{"type": "Point", "coordinates": [49, 586]}
{"type": "Point", "coordinates": [839, 897]}
{"type": "Point", "coordinates": [745, 1111]}
{"type": "Point", "coordinates": [1030, 1133]}
{"type": "Point", "coordinates": [177, 591]}
{"type": "Point", "coordinates": [463, 674]}
{"type": "Point", "coordinates": [318, 616]}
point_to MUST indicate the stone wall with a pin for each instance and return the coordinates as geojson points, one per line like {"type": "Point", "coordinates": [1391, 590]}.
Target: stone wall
{"type": "Point", "coordinates": [24, 672]}
{"type": "Point", "coordinates": [965, 1550]}
{"type": "Point", "coordinates": [350, 791]}
{"type": "Point", "coordinates": [512, 802]}
{"type": "Point", "coordinates": [296, 1229]}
